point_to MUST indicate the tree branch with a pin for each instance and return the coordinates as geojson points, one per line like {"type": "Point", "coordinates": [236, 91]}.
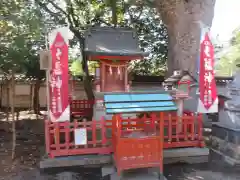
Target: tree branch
{"type": "Point", "coordinates": [57, 7]}
{"type": "Point", "coordinates": [56, 16]}
{"type": "Point", "coordinates": [140, 13]}
{"type": "Point", "coordinates": [98, 19]}
{"type": "Point", "coordinates": [71, 15]}
{"type": "Point", "coordinates": [44, 6]}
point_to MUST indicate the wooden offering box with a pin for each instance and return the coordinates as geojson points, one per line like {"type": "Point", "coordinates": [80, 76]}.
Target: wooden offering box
{"type": "Point", "coordinates": [135, 146]}
{"type": "Point", "coordinates": [138, 142]}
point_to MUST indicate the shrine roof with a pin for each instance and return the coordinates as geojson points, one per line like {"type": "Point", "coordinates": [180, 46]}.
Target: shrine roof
{"type": "Point", "coordinates": [112, 42]}
{"type": "Point", "coordinates": [136, 102]}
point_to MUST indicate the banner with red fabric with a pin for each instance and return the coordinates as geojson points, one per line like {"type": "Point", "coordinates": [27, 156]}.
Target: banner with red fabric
{"type": "Point", "coordinates": [208, 98]}
{"type": "Point", "coordinates": [58, 80]}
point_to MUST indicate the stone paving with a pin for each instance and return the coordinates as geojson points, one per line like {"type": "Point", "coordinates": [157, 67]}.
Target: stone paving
{"type": "Point", "coordinates": [201, 172]}
{"type": "Point", "coordinates": [25, 167]}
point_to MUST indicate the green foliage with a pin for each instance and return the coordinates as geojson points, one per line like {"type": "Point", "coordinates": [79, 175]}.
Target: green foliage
{"type": "Point", "coordinates": [11, 37]}
{"type": "Point", "coordinates": [21, 38]}
{"type": "Point", "coordinates": [23, 25]}
{"type": "Point", "coordinates": [153, 39]}
{"type": "Point", "coordinates": [227, 64]}
{"type": "Point", "coordinates": [80, 14]}
{"type": "Point", "coordinates": [76, 68]}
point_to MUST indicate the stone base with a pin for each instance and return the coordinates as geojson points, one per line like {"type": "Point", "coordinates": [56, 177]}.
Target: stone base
{"type": "Point", "coordinates": [214, 154]}
{"type": "Point", "coordinates": [86, 161]}
{"type": "Point", "coordinates": [226, 143]}
{"type": "Point", "coordinates": [186, 155]}
{"type": "Point", "coordinates": [139, 174]}
{"type": "Point", "coordinates": [171, 156]}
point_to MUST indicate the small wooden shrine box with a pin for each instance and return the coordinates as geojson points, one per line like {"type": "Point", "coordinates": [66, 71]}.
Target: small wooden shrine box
{"type": "Point", "coordinates": [113, 49]}
{"type": "Point", "coordinates": [180, 83]}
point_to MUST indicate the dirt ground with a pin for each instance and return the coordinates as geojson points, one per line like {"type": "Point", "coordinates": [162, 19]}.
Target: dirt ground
{"type": "Point", "coordinates": [31, 148]}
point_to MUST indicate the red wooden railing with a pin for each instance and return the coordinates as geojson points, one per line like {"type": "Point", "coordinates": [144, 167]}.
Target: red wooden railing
{"type": "Point", "coordinates": [60, 136]}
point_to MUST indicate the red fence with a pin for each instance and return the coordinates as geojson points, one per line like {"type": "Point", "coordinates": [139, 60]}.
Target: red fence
{"type": "Point", "coordinates": [60, 140]}
{"type": "Point", "coordinates": [183, 131]}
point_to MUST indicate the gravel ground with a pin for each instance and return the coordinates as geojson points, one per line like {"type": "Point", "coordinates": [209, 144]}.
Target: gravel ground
{"type": "Point", "coordinates": [25, 168]}
{"type": "Point", "coordinates": [30, 149]}
{"type": "Point", "coordinates": [201, 172]}
{"type": "Point", "coordinates": [173, 172]}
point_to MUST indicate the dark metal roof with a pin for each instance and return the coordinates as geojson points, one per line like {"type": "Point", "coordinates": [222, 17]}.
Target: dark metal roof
{"type": "Point", "coordinates": [112, 41]}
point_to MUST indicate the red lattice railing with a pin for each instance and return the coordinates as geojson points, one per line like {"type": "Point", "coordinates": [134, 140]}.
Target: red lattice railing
{"type": "Point", "coordinates": [183, 131]}
{"type": "Point", "coordinates": [60, 138]}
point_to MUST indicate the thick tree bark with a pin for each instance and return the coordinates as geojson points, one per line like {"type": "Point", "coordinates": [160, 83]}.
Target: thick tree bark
{"type": "Point", "coordinates": [183, 19]}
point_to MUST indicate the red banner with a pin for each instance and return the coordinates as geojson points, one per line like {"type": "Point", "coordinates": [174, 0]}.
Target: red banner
{"type": "Point", "coordinates": [207, 84]}
{"type": "Point", "coordinates": [58, 87]}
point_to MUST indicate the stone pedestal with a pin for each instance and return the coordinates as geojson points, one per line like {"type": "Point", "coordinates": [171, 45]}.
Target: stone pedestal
{"type": "Point", "coordinates": [139, 174]}
{"type": "Point", "coordinates": [226, 132]}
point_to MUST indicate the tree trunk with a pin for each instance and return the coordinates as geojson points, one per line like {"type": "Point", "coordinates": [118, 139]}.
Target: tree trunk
{"type": "Point", "coordinates": [36, 105]}
{"type": "Point", "coordinates": [13, 115]}
{"type": "Point", "coordinates": [1, 94]}
{"type": "Point", "coordinates": [31, 97]}
{"type": "Point", "coordinates": [8, 100]}
{"type": "Point", "coordinates": [183, 19]}
{"type": "Point", "coordinates": [114, 12]}
{"type": "Point", "coordinates": [87, 81]}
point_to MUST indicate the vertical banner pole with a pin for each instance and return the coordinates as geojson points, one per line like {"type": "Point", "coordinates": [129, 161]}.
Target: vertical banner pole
{"type": "Point", "coordinates": [198, 59]}
{"type": "Point", "coordinates": [47, 82]}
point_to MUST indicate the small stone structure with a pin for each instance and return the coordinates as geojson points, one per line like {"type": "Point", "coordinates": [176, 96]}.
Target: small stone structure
{"type": "Point", "coordinates": [226, 132]}
{"type": "Point", "coordinates": [178, 85]}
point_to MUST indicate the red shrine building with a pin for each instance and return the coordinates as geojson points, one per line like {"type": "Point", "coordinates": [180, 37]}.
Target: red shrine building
{"type": "Point", "coordinates": [113, 49]}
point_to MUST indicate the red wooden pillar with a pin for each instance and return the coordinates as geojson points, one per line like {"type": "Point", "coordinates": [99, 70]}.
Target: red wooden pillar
{"type": "Point", "coordinates": [102, 76]}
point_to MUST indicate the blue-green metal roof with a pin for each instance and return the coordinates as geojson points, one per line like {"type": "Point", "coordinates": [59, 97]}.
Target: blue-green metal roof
{"type": "Point", "coordinates": [138, 102]}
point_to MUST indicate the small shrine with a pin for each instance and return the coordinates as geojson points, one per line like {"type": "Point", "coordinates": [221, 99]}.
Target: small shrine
{"type": "Point", "coordinates": [102, 141]}
{"type": "Point", "coordinates": [178, 85]}
{"type": "Point", "coordinates": [113, 49]}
